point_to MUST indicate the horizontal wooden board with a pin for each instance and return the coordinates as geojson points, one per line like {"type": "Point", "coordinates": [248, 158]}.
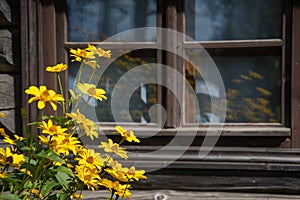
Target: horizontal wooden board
{"type": "Point", "coordinates": [191, 195]}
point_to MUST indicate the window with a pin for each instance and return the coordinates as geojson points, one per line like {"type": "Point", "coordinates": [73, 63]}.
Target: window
{"type": "Point", "coordinates": [246, 42]}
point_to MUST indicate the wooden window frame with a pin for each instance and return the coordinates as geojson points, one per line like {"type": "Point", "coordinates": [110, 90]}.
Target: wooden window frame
{"type": "Point", "coordinates": [42, 44]}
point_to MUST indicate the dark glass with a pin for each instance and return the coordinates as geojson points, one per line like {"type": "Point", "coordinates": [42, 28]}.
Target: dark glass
{"type": "Point", "coordinates": [252, 86]}
{"type": "Point", "coordinates": [96, 20]}
{"type": "Point", "coordinates": [233, 19]}
{"type": "Point", "coordinates": [140, 101]}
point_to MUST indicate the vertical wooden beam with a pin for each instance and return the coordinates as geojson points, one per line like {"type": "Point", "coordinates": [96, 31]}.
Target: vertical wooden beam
{"type": "Point", "coordinates": [61, 38]}
{"type": "Point", "coordinates": [29, 53]}
{"type": "Point", "coordinates": [48, 46]}
{"type": "Point", "coordinates": [295, 76]}
{"type": "Point", "coordinates": [170, 98]}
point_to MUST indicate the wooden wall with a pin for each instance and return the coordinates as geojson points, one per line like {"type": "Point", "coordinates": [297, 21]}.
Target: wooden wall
{"type": "Point", "coordinates": [10, 64]}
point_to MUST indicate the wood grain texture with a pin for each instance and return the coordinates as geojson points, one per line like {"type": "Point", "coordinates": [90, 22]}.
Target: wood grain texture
{"type": "Point", "coordinates": [10, 100]}
{"type": "Point", "coordinates": [192, 195]}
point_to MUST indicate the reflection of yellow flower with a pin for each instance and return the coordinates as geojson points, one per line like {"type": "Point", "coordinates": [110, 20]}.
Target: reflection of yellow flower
{"type": "Point", "coordinates": [2, 115]}
{"type": "Point", "coordinates": [90, 159]}
{"type": "Point", "coordinates": [78, 117]}
{"type": "Point", "coordinates": [51, 129]}
{"type": "Point", "coordinates": [92, 91]}
{"type": "Point", "coordinates": [81, 54]}
{"type": "Point", "coordinates": [111, 147]}
{"type": "Point", "coordinates": [99, 51]}
{"type": "Point", "coordinates": [89, 176]}
{"type": "Point", "coordinates": [128, 135]}
{"type": "Point", "coordinates": [57, 68]}
{"type": "Point", "coordinates": [87, 125]}
{"type": "Point", "coordinates": [42, 95]}
{"type": "Point", "coordinates": [90, 128]}
{"type": "Point", "coordinates": [114, 164]}
{"type": "Point", "coordinates": [117, 188]}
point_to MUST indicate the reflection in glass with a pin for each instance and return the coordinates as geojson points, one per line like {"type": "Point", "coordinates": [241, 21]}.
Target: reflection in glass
{"type": "Point", "coordinates": [252, 85]}
{"type": "Point", "coordinates": [233, 19]}
{"type": "Point", "coordinates": [96, 20]}
{"type": "Point", "coordinates": [142, 99]}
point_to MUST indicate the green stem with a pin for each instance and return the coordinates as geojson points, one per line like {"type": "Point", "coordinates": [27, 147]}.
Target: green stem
{"type": "Point", "coordinates": [87, 102]}
{"type": "Point", "coordinates": [92, 75]}
{"type": "Point", "coordinates": [79, 75]}
{"type": "Point", "coordinates": [61, 91]}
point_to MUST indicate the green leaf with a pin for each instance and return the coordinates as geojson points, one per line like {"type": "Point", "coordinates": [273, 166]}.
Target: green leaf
{"type": "Point", "coordinates": [65, 170]}
{"type": "Point", "coordinates": [63, 179]}
{"type": "Point", "coordinates": [49, 154]}
{"type": "Point", "coordinates": [9, 197]}
{"type": "Point", "coordinates": [48, 186]}
{"type": "Point", "coordinates": [63, 196]}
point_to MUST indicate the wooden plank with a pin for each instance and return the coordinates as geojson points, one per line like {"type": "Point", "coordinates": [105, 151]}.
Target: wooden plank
{"type": "Point", "coordinates": [191, 195]}
{"type": "Point", "coordinates": [235, 43]}
{"type": "Point", "coordinates": [295, 73]}
{"type": "Point", "coordinates": [29, 54]}
{"type": "Point", "coordinates": [6, 41]}
{"type": "Point", "coordinates": [10, 100]}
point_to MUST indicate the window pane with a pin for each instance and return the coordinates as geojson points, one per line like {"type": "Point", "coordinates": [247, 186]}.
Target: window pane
{"type": "Point", "coordinates": [252, 85]}
{"type": "Point", "coordinates": [233, 19]}
{"type": "Point", "coordinates": [141, 96]}
{"type": "Point", "coordinates": [95, 20]}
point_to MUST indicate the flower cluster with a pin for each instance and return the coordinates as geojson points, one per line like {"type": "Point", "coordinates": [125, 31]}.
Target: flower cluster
{"type": "Point", "coordinates": [50, 161]}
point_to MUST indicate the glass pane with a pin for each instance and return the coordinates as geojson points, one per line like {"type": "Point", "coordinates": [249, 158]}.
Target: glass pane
{"type": "Point", "coordinates": [252, 85]}
{"type": "Point", "coordinates": [130, 78]}
{"type": "Point", "coordinates": [233, 19]}
{"type": "Point", "coordinates": [96, 20]}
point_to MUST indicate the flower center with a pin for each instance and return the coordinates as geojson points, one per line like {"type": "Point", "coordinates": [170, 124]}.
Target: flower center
{"type": "Point", "coordinates": [53, 129]}
{"type": "Point", "coordinates": [90, 160]}
{"type": "Point", "coordinates": [88, 177]}
{"type": "Point", "coordinates": [114, 147]}
{"type": "Point", "coordinates": [91, 91]}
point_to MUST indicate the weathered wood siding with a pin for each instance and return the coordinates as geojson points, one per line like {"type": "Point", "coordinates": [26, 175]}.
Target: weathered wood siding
{"type": "Point", "coordinates": [10, 77]}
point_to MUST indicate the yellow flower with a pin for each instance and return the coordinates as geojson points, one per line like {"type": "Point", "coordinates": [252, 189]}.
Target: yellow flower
{"type": "Point", "coordinates": [119, 175]}
{"type": "Point", "coordinates": [132, 173]}
{"type": "Point", "coordinates": [89, 176]}
{"type": "Point", "coordinates": [128, 135]}
{"type": "Point", "coordinates": [57, 68]}
{"type": "Point", "coordinates": [8, 140]}
{"type": "Point", "coordinates": [2, 115]}
{"type": "Point", "coordinates": [3, 175]}
{"type": "Point", "coordinates": [92, 91]}
{"type": "Point", "coordinates": [77, 196]}
{"type": "Point", "coordinates": [37, 193]}
{"type": "Point", "coordinates": [7, 157]}
{"type": "Point", "coordinates": [51, 129]}
{"type": "Point", "coordinates": [66, 143]}
{"type": "Point", "coordinates": [111, 147]}
{"type": "Point", "coordinates": [90, 159]}
{"type": "Point", "coordinates": [81, 54]}
{"type": "Point", "coordinates": [26, 171]}
{"type": "Point", "coordinates": [42, 95]}
{"type": "Point", "coordinates": [99, 51]}
{"type": "Point", "coordinates": [117, 188]}
{"type": "Point", "coordinates": [2, 132]}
